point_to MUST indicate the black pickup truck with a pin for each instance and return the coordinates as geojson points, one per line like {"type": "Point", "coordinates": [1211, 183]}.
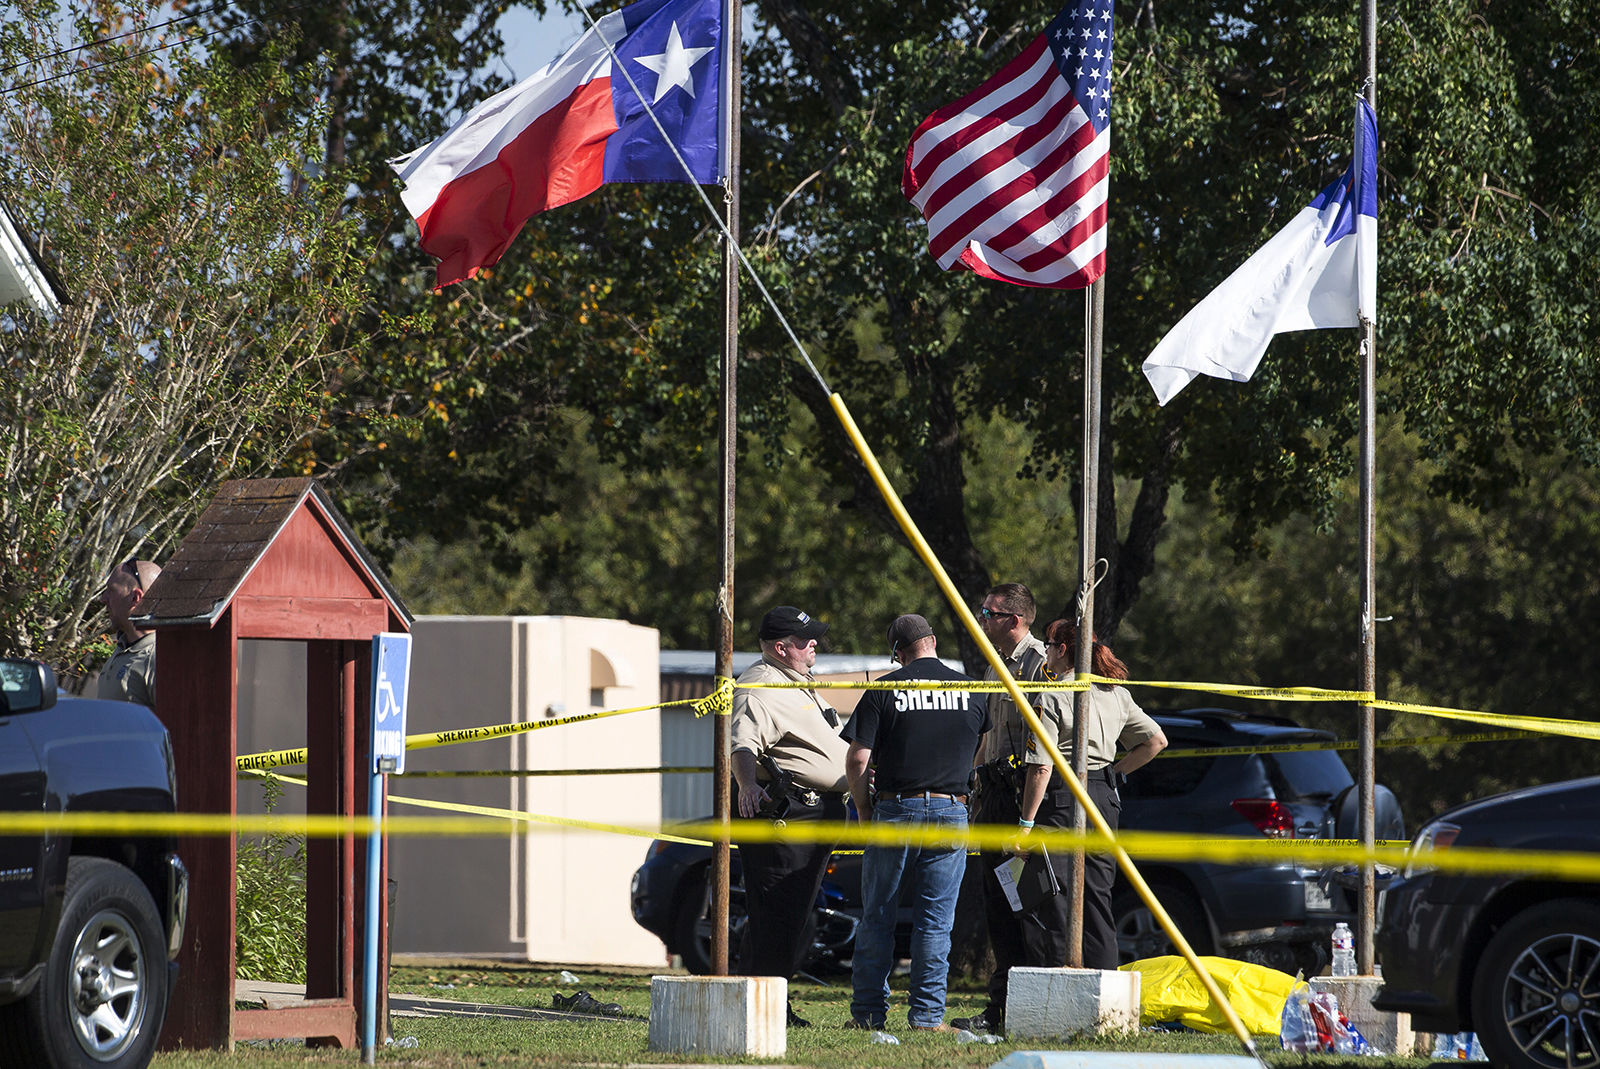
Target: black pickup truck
{"type": "Point", "coordinates": [89, 923]}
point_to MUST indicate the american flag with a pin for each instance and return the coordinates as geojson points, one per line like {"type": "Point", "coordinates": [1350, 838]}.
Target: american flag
{"type": "Point", "coordinates": [1011, 178]}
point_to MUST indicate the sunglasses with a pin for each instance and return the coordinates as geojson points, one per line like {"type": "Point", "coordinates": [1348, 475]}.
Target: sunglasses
{"type": "Point", "coordinates": [993, 614]}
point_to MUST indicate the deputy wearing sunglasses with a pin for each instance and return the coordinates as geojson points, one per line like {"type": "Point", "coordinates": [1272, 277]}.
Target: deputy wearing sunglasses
{"type": "Point", "coordinates": [1006, 615]}
{"type": "Point", "coordinates": [130, 674]}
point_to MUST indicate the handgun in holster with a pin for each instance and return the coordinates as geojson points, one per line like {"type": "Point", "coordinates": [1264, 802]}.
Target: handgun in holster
{"type": "Point", "coordinates": [778, 786]}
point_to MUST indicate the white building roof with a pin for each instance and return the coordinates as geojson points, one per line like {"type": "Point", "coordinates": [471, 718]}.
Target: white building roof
{"type": "Point", "coordinates": [22, 276]}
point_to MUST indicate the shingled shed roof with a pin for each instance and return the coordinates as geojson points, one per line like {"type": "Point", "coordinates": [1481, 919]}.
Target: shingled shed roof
{"type": "Point", "coordinates": [232, 536]}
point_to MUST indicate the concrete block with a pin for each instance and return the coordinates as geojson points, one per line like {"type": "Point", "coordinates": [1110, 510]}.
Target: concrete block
{"type": "Point", "coordinates": [1389, 1032]}
{"type": "Point", "coordinates": [1120, 1059]}
{"type": "Point", "coordinates": [723, 1016]}
{"type": "Point", "coordinates": [1059, 1003]}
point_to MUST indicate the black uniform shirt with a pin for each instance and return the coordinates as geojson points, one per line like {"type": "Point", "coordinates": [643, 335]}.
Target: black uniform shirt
{"type": "Point", "coordinates": [921, 740]}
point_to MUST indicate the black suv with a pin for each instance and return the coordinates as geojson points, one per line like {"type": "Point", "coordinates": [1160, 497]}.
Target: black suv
{"type": "Point", "coordinates": [1514, 958]}
{"type": "Point", "coordinates": [89, 923]}
{"type": "Point", "coordinates": [1276, 915]}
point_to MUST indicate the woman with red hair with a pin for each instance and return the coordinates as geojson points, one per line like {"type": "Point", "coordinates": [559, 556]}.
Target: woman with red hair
{"type": "Point", "coordinates": [1115, 720]}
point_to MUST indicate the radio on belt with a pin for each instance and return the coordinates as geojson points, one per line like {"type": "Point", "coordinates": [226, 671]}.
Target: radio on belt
{"type": "Point", "coordinates": [391, 673]}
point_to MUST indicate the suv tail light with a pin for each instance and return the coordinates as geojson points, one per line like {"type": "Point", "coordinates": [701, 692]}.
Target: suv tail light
{"type": "Point", "coordinates": [1436, 835]}
{"type": "Point", "coordinates": [1270, 816]}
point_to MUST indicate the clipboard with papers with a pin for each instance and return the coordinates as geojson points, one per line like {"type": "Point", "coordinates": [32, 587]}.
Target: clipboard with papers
{"type": "Point", "coordinates": [1027, 879]}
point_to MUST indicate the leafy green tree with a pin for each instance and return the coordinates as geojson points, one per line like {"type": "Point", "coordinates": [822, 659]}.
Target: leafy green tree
{"type": "Point", "coordinates": [206, 269]}
{"type": "Point", "coordinates": [635, 545]}
{"type": "Point", "coordinates": [1227, 118]}
{"type": "Point", "coordinates": [1480, 609]}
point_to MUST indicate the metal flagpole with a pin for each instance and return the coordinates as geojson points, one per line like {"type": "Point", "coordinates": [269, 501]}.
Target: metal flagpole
{"type": "Point", "coordinates": [1367, 916]}
{"type": "Point", "coordinates": [1095, 306]}
{"type": "Point", "coordinates": [722, 789]}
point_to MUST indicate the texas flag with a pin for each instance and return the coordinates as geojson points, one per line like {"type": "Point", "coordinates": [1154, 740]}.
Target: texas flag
{"type": "Point", "coordinates": [562, 132]}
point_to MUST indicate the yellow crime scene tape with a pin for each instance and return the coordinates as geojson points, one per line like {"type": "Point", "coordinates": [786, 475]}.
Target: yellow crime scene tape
{"type": "Point", "coordinates": [1198, 751]}
{"type": "Point", "coordinates": [1202, 751]}
{"type": "Point", "coordinates": [257, 762]}
{"type": "Point", "coordinates": [1156, 845]}
{"type": "Point", "coordinates": [491, 822]}
{"type": "Point", "coordinates": [1582, 729]}
{"type": "Point", "coordinates": [497, 813]}
{"type": "Point", "coordinates": [720, 702]}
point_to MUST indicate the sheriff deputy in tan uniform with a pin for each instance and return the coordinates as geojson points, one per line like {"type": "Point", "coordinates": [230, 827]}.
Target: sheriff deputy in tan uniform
{"type": "Point", "coordinates": [1006, 616]}
{"type": "Point", "coordinates": [130, 674]}
{"type": "Point", "coordinates": [1114, 720]}
{"type": "Point", "coordinates": [788, 761]}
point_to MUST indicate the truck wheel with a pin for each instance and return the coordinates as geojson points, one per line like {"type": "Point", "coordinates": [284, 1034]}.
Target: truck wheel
{"type": "Point", "coordinates": [692, 928]}
{"type": "Point", "coordinates": [1534, 1001]}
{"type": "Point", "coordinates": [103, 997]}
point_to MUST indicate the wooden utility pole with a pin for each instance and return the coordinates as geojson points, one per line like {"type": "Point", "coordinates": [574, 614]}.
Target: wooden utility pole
{"type": "Point", "coordinates": [1088, 513]}
{"type": "Point", "coordinates": [722, 787]}
{"type": "Point", "coordinates": [1366, 916]}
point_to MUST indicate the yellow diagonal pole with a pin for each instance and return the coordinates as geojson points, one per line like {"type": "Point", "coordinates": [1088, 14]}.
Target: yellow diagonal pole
{"type": "Point", "coordinates": [963, 613]}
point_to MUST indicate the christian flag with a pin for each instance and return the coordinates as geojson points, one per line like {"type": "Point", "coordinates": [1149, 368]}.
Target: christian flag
{"type": "Point", "coordinates": [1319, 271]}
{"type": "Point", "coordinates": [1012, 177]}
{"type": "Point", "coordinates": [563, 132]}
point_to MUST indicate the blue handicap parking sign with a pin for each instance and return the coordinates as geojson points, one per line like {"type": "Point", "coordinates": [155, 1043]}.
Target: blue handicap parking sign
{"type": "Point", "coordinates": [391, 672]}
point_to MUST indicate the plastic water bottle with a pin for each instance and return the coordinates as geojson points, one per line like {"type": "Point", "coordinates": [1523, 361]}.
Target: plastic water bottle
{"type": "Point", "coordinates": [1344, 950]}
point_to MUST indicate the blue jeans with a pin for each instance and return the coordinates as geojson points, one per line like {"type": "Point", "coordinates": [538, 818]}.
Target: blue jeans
{"type": "Point", "coordinates": [935, 874]}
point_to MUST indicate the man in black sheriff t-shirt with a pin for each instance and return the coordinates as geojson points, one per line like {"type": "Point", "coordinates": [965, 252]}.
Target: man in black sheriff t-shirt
{"type": "Point", "coordinates": [920, 744]}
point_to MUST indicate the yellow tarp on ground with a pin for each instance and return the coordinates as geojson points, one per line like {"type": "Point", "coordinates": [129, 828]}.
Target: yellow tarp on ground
{"type": "Point", "coordinates": [1170, 991]}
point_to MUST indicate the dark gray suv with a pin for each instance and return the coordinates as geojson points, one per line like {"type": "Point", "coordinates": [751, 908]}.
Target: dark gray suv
{"type": "Point", "coordinates": [1276, 915]}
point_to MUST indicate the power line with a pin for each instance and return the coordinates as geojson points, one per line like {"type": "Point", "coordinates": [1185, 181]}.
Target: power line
{"type": "Point", "coordinates": [220, 5]}
{"type": "Point", "coordinates": [101, 41]}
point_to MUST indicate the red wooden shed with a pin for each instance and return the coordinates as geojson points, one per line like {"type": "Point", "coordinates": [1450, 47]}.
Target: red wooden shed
{"type": "Point", "coordinates": [269, 559]}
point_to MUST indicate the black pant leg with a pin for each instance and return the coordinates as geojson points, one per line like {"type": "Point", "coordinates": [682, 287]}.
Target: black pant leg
{"type": "Point", "coordinates": [1044, 928]}
{"type": "Point", "coordinates": [1099, 873]}
{"type": "Point", "coordinates": [1005, 932]}
{"type": "Point", "coordinates": [781, 881]}
{"type": "Point", "coordinates": [767, 948]}
{"type": "Point", "coordinates": [996, 805]}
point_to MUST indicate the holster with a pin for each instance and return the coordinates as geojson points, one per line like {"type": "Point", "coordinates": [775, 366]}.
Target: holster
{"type": "Point", "coordinates": [779, 787]}
{"type": "Point", "coordinates": [997, 791]}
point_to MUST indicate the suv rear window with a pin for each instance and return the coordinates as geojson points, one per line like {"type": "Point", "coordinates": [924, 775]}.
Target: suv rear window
{"type": "Point", "coordinates": [1168, 777]}
{"type": "Point", "coordinates": [1315, 774]}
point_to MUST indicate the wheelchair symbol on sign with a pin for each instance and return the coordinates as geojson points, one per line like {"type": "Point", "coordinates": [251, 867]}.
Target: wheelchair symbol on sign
{"type": "Point", "coordinates": [388, 704]}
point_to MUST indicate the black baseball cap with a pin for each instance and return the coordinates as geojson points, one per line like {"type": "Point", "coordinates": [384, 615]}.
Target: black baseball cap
{"type": "Point", "coordinates": [908, 629]}
{"type": "Point", "coordinates": [786, 621]}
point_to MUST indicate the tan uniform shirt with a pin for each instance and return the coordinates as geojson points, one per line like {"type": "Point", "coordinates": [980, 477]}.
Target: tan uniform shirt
{"type": "Point", "coordinates": [130, 674]}
{"type": "Point", "coordinates": [1007, 733]}
{"type": "Point", "coordinates": [1114, 720]}
{"type": "Point", "coordinates": [790, 726]}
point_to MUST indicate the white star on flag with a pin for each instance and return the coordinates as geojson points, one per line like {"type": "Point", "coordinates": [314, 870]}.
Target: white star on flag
{"type": "Point", "coordinates": [675, 66]}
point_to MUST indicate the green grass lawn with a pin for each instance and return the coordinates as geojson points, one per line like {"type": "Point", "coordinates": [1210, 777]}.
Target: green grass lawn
{"type": "Point", "coordinates": [473, 1043]}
